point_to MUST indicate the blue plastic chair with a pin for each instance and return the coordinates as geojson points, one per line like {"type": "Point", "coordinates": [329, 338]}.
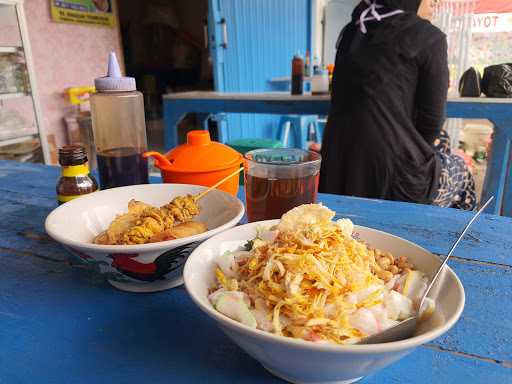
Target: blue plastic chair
{"type": "Point", "coordinates": [220, 118]}
{"type": "Point", "coordinates": [297, 131]}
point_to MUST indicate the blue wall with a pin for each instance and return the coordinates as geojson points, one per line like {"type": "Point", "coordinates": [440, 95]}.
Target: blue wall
{"type": "Point", "coordinates": [263, 36]}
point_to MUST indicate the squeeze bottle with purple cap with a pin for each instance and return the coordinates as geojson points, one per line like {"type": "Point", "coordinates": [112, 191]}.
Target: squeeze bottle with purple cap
{"type": "Point", "coordinates": [119, 127]}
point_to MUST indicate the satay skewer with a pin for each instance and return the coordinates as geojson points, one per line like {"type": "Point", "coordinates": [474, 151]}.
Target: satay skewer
{"type": "Point", "coordinates": [214, 186]}
{"type": "Point", "coordinates": [172, 212]}
{"type": "Point", "coordinates": [152, 220]}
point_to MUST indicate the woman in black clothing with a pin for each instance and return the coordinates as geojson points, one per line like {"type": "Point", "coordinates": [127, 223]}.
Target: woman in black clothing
{"type": "Point", "coordinates": [388, 106]}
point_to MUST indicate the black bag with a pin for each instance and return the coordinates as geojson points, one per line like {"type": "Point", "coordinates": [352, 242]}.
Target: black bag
{"type": "Point", "coordinates": [469, 84]}
{"type": "Point", "coordinates": [497, 81]}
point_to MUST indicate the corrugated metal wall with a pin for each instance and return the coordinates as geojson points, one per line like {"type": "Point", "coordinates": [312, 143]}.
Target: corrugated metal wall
{"type": "Point", "coordinates": [263, 36]}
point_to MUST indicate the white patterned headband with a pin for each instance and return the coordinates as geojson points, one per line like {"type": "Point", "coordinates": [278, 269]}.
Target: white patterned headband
{"type": "Point", "coordinates": [371, 13]}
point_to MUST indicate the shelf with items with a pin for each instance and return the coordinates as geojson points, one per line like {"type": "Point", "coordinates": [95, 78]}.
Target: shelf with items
{"type": "Point", "coordinates": [13, 95]}
{"type": "Point", "coordinates": [16, 140]}
{"type": "Point", "coordinates": [21, 122]}
{"type": "Point", "coordinates": [14, 79]}
{"type": "Point", "coordinates": [17, 132]}
{"type": "Point", "coordinates": [26, 149]}
{"type": "Point", "coordinates": [17, 117]}
{"type": "Point", "coordinates": [10, 49]}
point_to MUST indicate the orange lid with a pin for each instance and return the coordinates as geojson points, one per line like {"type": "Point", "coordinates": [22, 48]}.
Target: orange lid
{"type": "Point", "coordinates": [201, 154]}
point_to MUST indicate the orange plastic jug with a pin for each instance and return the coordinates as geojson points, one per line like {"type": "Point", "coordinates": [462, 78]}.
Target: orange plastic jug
{"type": "Point", "coordinates": [200, 161]}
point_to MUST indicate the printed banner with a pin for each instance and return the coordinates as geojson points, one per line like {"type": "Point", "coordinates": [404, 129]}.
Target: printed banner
{"type": "Point", "coordinates": [492, 22]}
{"type": "Point", "coordinates": [92, 12]}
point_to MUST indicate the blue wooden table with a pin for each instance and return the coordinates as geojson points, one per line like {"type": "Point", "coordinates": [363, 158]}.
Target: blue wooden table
{"type": "Point", "coordinates": [498, 180]}
{"type": "Point", "coordinates": [60, 323]}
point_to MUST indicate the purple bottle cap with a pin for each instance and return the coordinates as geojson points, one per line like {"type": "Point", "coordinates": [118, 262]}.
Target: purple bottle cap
{"type": "Point", "coordinates": [114, 81]}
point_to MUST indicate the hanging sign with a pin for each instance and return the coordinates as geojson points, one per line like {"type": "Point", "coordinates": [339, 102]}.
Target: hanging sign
{"type": "Point", "coordinates": [92, 12]}
{"type": "Point", "coordinates": [492, 22]}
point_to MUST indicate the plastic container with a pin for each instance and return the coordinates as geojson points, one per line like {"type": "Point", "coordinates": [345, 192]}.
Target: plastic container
{"type": "Point", "coordinates": [200, 161]}
{"type": "Point", "coordinates": [316, 64]}
{"type": "Point", "coordinates": [79, 123]}
{"type": "Point", "coordinates": [307, 65]}
{"type": "Point", "coordinates": [246, 145]}
{"type": "Point", "coordinates": [117, 111]}
{"type": "Point", "coordinates": [476, 134]}
{"type": "Point", "coordinates": [320, 83]}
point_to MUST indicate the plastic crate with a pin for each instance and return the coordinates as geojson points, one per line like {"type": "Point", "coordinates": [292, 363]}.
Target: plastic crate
{"type": "Point", "coordinates": [245, 145]}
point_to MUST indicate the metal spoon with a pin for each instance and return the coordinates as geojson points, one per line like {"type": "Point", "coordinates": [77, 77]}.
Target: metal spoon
{"type": "Point", "coordinates": [406, 328]}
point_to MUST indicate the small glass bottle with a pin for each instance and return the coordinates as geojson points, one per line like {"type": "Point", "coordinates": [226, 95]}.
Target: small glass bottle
{"type": "Point", "coordinates": [119, 127]}
{"type": "Point", "coordinates": [75, 179]}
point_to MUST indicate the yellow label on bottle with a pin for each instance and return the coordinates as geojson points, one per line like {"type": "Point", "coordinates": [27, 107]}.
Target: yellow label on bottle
{"type": "Point", "coordinates": [65, 199]}
{"type": "Point", "coordinates": [75, 170]}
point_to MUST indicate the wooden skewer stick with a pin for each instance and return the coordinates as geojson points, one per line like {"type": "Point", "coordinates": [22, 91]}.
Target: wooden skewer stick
{"type": "Point", "coordinates": [202, 194]}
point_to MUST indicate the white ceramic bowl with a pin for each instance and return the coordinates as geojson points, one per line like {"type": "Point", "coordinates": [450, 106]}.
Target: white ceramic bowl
{"type": "Point", "coordinates": [305, 362]}
{"type": "Point", "coordinates": [137, 268]}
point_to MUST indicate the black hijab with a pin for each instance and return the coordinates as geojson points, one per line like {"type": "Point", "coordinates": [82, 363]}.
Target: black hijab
{"type": "Point", "coordinates": [405, 5]}
{"type": "Point", "coordinates": [405, 34]}
{"type": "Point", "coordinates": [386, 30]}
{"type": "Point", "coordinates": [408, 6]}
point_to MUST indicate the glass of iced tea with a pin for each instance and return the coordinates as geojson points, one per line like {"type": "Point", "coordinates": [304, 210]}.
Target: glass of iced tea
{"type": "Point", "coordinates": [279, 179]}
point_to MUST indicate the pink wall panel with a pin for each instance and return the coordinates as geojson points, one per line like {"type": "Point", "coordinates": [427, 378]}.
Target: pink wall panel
{"type": "Point", "coordinates": [65, 55]}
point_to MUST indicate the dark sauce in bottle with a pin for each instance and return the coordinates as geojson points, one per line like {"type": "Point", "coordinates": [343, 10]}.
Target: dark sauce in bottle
{"type": "Point", "coordinates": [122, 166]}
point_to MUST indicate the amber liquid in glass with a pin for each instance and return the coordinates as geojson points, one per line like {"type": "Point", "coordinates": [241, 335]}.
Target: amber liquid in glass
{"type": "Point", "coordinates": [271, 198]}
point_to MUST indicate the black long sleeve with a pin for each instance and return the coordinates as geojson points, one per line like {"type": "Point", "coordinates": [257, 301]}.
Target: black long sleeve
{"type": "Point", "coordinates": [432, 89]}
{"type": "Point", "coordinates": [388, 105]}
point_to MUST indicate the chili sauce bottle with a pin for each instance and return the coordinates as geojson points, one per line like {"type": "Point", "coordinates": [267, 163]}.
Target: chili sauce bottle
{"type": "Point", "coordinates": [75, 179]}
{"type": "Point", "coordinates": [297, 75]}
{"type": "Point", "coordinates": [119, 127]}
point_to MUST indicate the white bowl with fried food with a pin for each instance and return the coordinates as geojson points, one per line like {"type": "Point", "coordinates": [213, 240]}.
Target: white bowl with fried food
{"type": "Point", "coordinates": [314, 362]}
{"type": "Point", "coordinates": [147, 267]}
